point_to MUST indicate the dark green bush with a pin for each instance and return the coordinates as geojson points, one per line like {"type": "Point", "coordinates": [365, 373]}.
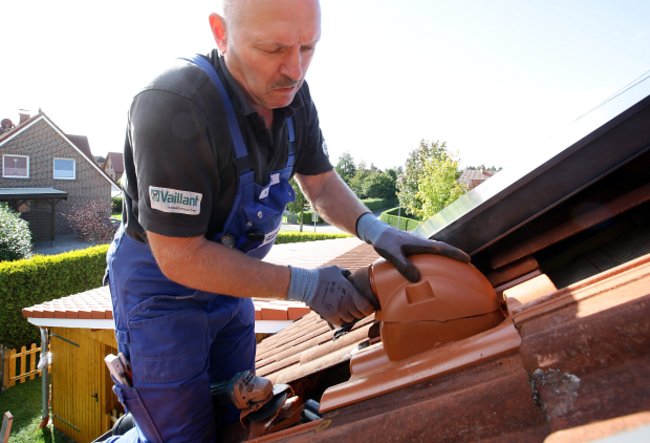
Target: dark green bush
{"type": "Point", "coordinates": [406, 222]}
{"type": "Point", "coordinates": [375, 204]}
{"type": "Point", "coordinates": [26, 283]}
{"type": "Point", "coordinates": [300, 237]}
{"type": "Point", "coordinates": [15, 236]}
{"type": "Point", "coordinates": [116, 205]}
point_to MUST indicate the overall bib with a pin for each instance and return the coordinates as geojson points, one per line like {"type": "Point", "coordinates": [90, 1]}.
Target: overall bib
{"type": "Point", "coordinates": [178, 339]}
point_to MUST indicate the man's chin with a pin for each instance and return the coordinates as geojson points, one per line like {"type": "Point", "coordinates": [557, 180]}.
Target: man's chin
{"type": "Point", "coordinates": [280, 98]}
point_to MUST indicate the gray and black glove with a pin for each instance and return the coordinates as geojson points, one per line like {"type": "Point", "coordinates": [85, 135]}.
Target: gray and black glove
{"type": "Point", "coordinates": [328, 292]}
{"type": "Point", "coordinates": [395, 245]}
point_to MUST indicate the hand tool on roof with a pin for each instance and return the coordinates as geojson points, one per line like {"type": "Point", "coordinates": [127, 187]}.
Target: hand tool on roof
{"type": "Point", "coordinates": [451, 301]}
{"type": "Point", "coordinates": [256, 396]}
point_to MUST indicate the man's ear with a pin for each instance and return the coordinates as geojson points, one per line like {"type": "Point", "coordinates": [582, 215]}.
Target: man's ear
{"type": "Point", "coordinates": [218, 26]}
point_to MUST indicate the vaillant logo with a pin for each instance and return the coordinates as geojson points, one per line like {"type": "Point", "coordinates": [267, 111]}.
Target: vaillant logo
{"type": "Point", "coordinates": [173, 200]}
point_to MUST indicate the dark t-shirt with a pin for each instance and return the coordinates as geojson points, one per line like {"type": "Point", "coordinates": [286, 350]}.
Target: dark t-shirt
{"type": "Point", "coordinates": [178, 152]}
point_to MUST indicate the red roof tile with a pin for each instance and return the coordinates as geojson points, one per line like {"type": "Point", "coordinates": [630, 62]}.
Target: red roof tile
{"type": "Point", "coordinates": [96, 305]}
{"type": "Point", "coordinates": [583, 350]}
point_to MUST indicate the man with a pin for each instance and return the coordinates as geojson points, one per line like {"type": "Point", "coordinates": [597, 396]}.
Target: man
{"type": "Point", "coordinates": [211, 145]}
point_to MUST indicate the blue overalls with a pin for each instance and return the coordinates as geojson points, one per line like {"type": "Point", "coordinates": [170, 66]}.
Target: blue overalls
{"type": "Point", "coordinates": [178, 339]}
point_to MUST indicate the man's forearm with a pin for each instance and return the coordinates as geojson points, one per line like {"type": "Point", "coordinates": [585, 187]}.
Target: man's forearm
{"type": "Point", "coordinates": [208, 266]}
{"type": "Point", "coordinates": [333, 200]}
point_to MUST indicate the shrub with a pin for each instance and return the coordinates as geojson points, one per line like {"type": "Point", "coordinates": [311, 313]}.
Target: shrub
{"type": "Point", "coordinates": [299, 237]}
{"type": "Point", "coordinates": [375, 204]}
{"type": "Point", "coordinates": [406, 222]}
{"type": "Point", "coordinates": [15, 236]}
{"type": "Point", "coordinates": [91, 221]}
{"type": "Point", "coordinates": [26, 283]}
{"type": "Point", "coordinates": [116, 205]}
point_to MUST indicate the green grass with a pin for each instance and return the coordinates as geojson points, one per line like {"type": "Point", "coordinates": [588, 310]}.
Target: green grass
{"type": "Point", "coordinates": [24, 403]}
{"type": "Point", "coordinates": [117, 216]}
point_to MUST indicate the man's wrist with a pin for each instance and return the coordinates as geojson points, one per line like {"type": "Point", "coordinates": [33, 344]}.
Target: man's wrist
{"type": "Point", "coordinates": [369, 227]}
{"type": "Point", "coordinates": [303, 284]}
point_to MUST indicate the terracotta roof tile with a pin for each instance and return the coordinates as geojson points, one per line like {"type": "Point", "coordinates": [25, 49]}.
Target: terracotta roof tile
{"type": "Point", "coordinates": [584, 348]}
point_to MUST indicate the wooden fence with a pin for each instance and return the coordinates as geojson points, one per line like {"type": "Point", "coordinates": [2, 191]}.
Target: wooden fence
{"type": "Point", "coordinates": [19, 366]}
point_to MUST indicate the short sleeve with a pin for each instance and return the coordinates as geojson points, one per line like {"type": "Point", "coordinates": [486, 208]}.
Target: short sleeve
{"type": "Point", "coordinates": [316, 158]}
{"type": "Point", "coordinates": [175, 165]}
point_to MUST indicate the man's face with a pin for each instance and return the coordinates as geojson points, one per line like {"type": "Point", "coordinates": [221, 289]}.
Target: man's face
{"type": "Point", "coordinates": [270, 48]}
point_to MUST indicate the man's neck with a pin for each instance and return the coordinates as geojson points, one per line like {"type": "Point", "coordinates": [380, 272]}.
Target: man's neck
{"type": "Point", "coordinates": [266, 113]}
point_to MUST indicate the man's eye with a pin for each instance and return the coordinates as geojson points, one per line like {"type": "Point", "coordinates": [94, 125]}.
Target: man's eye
{"type": "Point", "coordinates": [272, 51]}
{"type": "Point", "coordinates": [308, 48]}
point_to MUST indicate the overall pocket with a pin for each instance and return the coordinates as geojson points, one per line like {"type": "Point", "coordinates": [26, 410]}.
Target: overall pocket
{"type": "Point", "coordinates": [169, 348]}
{"type": "Point", "coordinates": [132, 402]}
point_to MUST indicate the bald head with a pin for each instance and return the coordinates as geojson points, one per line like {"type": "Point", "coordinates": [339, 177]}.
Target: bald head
{"type": "Point", "coordinates": [232, 11]}
{"type": "Point", "coordinates": [268, 46]}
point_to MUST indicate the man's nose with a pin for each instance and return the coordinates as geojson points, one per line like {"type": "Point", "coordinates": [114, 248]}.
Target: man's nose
{"type": "Point", "coordinates": [292, 64]}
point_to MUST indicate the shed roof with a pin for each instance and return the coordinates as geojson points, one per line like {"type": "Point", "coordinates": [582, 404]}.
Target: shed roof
{"type": "Point", "coordinates": [93, 309]}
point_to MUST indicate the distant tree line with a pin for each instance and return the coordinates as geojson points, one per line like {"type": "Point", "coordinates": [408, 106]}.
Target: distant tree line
{"type": "Point", "coordinates": [426, 184]}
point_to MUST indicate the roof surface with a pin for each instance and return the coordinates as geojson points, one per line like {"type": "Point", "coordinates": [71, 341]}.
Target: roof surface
{"type": "Point", "coordinates": [474, 177]}
{"type": "Point", "coordinates": [580, 354]}
{"type": "Point", "coordinates": [117, 160]}
{"type": "Point", "coordinates": [82, 143]}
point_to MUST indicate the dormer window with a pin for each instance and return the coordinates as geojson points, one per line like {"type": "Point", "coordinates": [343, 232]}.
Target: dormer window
{"type": "Point", "coordinates": [65, 168]}
{"type": "Point", "coordinates": [15, 166]}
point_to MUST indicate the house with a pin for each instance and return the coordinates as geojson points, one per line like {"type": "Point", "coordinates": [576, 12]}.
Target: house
{"type": "Point", "coordinates": [474, 177]}
{"type": "Point", "coordinates": [46, 172]}
{"type": "Point", "coordinates": [81, 331]}
{"type": "Point", "coordinates": [114, 165]}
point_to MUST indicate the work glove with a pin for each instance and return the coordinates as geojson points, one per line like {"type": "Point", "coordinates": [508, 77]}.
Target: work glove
{"type": "Point", "coordinates": [396, 245]}
{"type": "Point", "coordinates": [328, 292]}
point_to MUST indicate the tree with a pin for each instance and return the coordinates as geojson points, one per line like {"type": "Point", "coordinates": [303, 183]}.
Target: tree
{"type": "Point", "coordinates": [300, 203]}
{"type": "Point", "coordinates": [438, 186]}
{"type": "Point", "coordinates": [345, 167]}
{"type": "Point", "coordinates": [407, 182]}
{"type": "Point", "coordinates": [357, 182]}
{"type": "Point", "coordinates": [378, 185]}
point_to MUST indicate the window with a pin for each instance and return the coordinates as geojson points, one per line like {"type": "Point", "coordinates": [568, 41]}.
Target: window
{"type": "Point", "coordinates": [64, 168]}
{"type": "Point", "coordinates": [15, 166]}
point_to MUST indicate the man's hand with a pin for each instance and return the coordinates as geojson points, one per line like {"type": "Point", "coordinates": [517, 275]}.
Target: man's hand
{"type": "Point", "coordinates": [328, 292]}
{"type": "Point", "coordinates": [395, 245]}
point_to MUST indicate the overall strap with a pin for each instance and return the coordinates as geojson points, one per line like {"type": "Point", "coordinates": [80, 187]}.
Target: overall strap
{"type": "Point", "coordinates": [291, 139]}
{"type": "Point", "coordinates": [235, 132]}
{"type": "Point", "coordinates": [244, 161]}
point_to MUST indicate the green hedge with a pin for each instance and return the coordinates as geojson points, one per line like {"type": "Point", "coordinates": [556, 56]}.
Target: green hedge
{"type": "Point", "coordinates": [375, 204]}
{"type": "Point", "coordinates": [406, 222]}
{"type": "Point", "coordinates": [29, 282]}
{"type": "Point", "coordinates": [299, 237]}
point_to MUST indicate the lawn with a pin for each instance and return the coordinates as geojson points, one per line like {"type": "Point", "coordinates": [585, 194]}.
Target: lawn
{"type": "Point", "coordinates": [24, 403]}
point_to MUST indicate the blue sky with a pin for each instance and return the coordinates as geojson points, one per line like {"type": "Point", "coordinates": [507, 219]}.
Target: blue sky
{"type": "Point", "coordinates": [491, 78]}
